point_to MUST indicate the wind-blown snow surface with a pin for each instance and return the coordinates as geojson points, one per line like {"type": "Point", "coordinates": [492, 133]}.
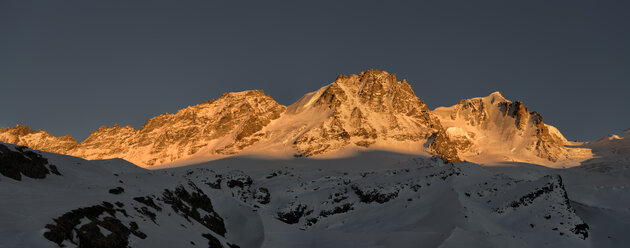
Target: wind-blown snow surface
{"type": "Point", "coordinates": [374, 199]}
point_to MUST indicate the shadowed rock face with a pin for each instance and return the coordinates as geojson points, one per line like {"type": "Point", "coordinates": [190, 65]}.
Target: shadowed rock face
{"type": "Point", "coordinates": [14, 164]}
{"type": "Point", "coordinates": [69, 227]}
{"type": "Point", "coordinates": [112, 225]}
{"type": "Point", "coordinates": [188, 205]}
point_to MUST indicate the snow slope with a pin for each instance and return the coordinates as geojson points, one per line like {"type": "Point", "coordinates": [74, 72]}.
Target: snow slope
{"type": "Point", "coordinates": [370, 199]}
{"type": "Point", "coordinates": [611, 148]}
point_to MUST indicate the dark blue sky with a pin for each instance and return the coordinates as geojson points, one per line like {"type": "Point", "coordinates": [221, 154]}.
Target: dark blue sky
{"type": "Point", "coordinates": [72, 66]}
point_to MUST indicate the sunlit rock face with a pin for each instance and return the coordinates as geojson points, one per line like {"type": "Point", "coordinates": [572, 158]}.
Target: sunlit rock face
{"type": "Point", "coordinates": [223, 125]}
{"type": "Point", "coordinates": [371, 108]}
{"type": "Point", "coordinates": [495, 126]}
{"type": "Point", "coordinates": [37, 140]}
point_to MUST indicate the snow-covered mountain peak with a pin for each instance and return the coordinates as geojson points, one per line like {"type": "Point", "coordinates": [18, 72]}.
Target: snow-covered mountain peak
{"type": "Point", "coordinates": [376, 90]}
{"type": "Point", "coordinates": [496, 97]}
{"type": "Point", "coordinates": [40, 139]}
{"type": "Point", "coordinates": [252, 100]}
{"type": "Point", "coordinates": [611, 148]}
{"type": "Point", "coordinates": [624, 137]}
{"type": "Point", "coordinates": [369, 109]}
{"type": "Point", "coordinates": [215, 126]}
{"type": "Point", "coordinates": [610, 137]}
{"type": "Point", "coordinates": [494, 128]}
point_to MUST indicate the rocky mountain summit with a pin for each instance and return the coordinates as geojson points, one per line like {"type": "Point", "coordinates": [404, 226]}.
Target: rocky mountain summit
{"type": "Point", "coordinates": [38, 140]}
{"type": "Point", "coordinates": [226, 121]}
{"type": "Point", "coordinates": [492, 126]}
{"type": "Point", "coordinates": [371, 110]}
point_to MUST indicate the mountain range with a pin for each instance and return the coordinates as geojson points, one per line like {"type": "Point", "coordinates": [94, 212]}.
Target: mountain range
{"type": "Point", "coordinates": [371, 110]}
{"type": "Point", "coordinates": [360, 162]}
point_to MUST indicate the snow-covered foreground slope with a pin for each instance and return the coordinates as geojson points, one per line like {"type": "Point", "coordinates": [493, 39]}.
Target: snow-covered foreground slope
{"type": "Point", "coordinates": [373, 199]}
{"type": "Point", "coordinates": [107, 203]}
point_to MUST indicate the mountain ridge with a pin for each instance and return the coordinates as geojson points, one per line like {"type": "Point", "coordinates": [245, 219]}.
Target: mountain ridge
{"type": "Point", "coordinates": [368, 110]}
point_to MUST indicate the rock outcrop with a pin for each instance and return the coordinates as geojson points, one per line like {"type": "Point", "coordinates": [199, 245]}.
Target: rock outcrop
{"type": "Point", "coordinates": [23, 162]}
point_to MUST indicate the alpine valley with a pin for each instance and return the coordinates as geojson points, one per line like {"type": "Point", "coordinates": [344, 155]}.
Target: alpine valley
{"type": "Point", "coordinates": [360, 162]}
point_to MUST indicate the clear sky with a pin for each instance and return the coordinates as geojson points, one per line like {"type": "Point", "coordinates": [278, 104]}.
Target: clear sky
{"type": "Point", "coordinates": [72, 66]}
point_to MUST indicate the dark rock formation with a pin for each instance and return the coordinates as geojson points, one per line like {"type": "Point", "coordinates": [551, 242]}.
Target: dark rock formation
{"type": "Point", "coordinates": [148, 200]}
{"type": "Point", "coordinates": [117, 191]}
{"type": "Point", "coordinates": [68, 228]}
{"type": "Point", "coordinates": [187, 204]}
{"type": "Point", "coordinates": [262, 195]}
{"type": "Point", "coordinates": [292, 214]}
{"type": "Point", "coordinates": [14, 164]}
{"type": "Point", "coordinates": [369, 195]}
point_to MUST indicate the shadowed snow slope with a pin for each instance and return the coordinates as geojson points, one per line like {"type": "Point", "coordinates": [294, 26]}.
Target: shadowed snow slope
{"type": "Point", "coordinates": [370, 199]}
{"type": "Point", "coordinates": [612, 147]}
